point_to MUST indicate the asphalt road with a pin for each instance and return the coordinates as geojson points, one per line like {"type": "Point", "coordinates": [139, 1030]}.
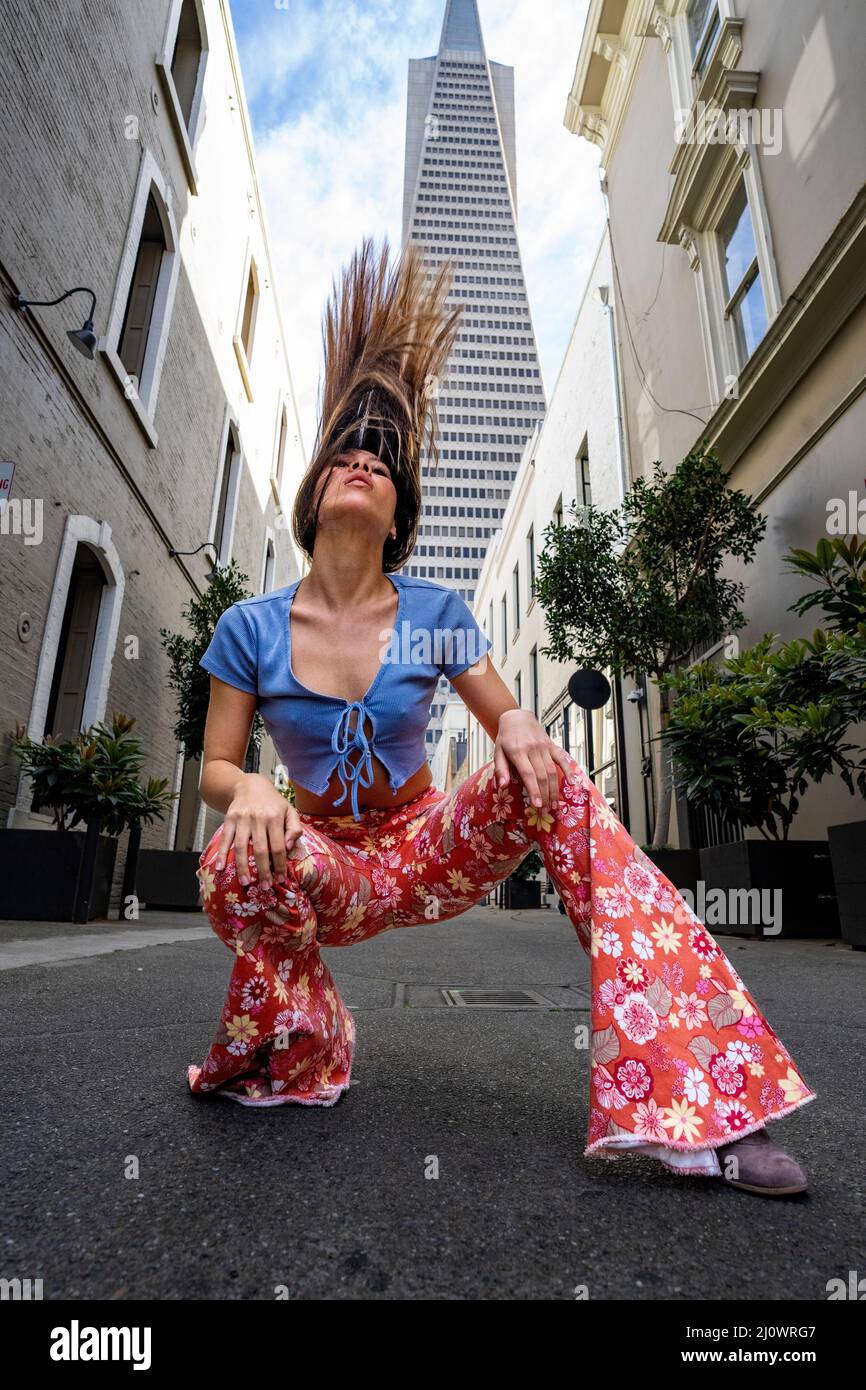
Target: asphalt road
{"type": "Point", "coordinates": [118, 1183]}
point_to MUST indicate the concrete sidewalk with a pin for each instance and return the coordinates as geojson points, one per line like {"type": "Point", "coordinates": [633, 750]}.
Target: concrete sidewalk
{"type": "Point", "coordinates": [451, 1169]}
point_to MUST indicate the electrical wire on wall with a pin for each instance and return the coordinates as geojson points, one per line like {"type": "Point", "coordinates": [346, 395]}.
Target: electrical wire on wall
{"type": "Point", "coordinates": [663, 409]}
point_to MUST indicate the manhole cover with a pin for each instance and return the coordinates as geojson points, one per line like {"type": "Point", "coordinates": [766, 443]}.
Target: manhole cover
{"type": "Point", "coordinates": [498, 999]}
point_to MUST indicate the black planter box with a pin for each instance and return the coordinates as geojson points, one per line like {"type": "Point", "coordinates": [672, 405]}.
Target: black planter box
{"type": "Point", "coordinates": [519, 893]}
{"type": "Point", "coordinates": [39, 871]}
{"type": "Point", "coordinates": [800, 869]}
{"type": "Point", "coordinates": [166, 878]}
{"type": "Point", "coordinates": [848, 853]}
{"type": "Point", "coordinates": [681, 866]}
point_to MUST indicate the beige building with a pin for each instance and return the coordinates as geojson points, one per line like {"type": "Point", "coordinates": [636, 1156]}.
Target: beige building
{"type": "Point", "coordinates": [576, 456]}
{"type": "Point", "coordinates": [732, 140]}
{"type": "Point", "coordinates": [134, 178]}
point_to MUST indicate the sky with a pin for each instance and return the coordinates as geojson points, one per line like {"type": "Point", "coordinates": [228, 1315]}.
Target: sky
{"type": "Point", "coordinates": [325, 83]}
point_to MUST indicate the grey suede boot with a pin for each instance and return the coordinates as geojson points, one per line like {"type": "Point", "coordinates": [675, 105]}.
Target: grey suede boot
{"type": "Point", "coordinates": [760, 1166]}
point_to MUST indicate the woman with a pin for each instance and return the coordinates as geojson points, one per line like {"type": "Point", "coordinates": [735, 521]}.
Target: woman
{"type": "Point", "coordinates": [684, 1067]}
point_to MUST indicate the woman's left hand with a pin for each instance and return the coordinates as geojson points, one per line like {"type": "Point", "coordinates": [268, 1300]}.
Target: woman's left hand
{"type": "Point", "coordinates": [534, 756]}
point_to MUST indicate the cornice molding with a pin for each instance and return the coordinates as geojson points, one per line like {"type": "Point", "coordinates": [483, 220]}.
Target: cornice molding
{"type": "Point", "coordinates": [661, 24]}
{"type": "Point", "coordinates": [611, 49]}
{"type": "Point", "coordinates": [701, 170]}
{"type": "Point", "coordinates": [600, 122]}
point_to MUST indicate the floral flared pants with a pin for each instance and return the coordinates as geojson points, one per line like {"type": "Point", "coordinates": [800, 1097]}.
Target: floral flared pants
{"type": "Point", "coordinates": [681, 1057]}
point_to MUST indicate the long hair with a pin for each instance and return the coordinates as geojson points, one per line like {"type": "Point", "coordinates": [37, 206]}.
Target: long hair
{"type": "Point", "coordinates": [387, 334]}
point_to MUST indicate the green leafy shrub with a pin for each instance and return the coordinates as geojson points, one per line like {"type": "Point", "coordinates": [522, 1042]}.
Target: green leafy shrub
{"type": "Point", "coordinates": [637, 590]}
{"type": "Point", "coordinates": [94, 774]}
{"type": "Point", "coordinates": [187, 678]}
{"type": "Point", "coordinates": [748, 737]}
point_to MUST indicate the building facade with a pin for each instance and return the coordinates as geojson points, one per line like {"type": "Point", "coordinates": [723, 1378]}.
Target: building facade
{"type": "Point", "coordinates": [732, 143]}
{"type": "Point", "coordinates": [136, 180]}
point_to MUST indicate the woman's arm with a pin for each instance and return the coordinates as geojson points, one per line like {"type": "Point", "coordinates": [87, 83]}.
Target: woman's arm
{"type": "Point", "coordinates": [254, 809]}
{"type": "Point", "coordinates": [518, 737]}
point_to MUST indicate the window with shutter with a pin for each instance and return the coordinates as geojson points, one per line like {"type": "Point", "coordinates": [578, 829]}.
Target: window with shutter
{"type": "Point", "coordinates": [142, 293]}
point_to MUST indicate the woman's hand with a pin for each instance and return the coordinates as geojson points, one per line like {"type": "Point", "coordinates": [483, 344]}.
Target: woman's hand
{"type": "Point", "coordinates": [534, 756]}
{"type": "Point", "coordinates": [258, 813]}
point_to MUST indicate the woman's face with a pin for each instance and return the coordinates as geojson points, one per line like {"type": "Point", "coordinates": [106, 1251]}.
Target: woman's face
{"type": "Point", "coordinates": [359, 490]}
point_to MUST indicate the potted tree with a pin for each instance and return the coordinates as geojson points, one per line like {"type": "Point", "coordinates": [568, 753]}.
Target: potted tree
{"type": "Point", "coordinates": [839, 566]}
{"type": "Point", "coordinates": [522, 888]}
{"type": "Point", "coordinates": [166, 878]}
{"type": "Point", "coordinates": [92, 780]}
{"type": "Point", "coordinates": [637, 590]}
{"type": "Point", "coordinates": [748, 739]}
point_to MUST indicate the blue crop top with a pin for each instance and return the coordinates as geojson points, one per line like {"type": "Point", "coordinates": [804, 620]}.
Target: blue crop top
{"type": "Point", "coordinates": [434, 633]}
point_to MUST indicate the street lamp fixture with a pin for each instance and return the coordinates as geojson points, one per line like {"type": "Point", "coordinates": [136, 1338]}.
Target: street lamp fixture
{"type": "Point", "coordinates": [84, 338]}
{"type": "Point", "coordinates": [211, 573]}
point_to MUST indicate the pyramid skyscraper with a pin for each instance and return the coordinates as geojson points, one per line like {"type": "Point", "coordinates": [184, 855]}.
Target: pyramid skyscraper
{"type": "Point", "coordinates": [460, 202]}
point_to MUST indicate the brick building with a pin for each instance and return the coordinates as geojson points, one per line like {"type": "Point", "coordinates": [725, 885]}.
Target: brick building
{"type": "Point", "coordinates": [128, 168]}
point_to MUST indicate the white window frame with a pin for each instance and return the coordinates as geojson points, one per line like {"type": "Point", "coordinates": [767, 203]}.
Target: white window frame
{"type": "Point", "coordinates": [230, 423]}
{"type": "Point", "coordinates": [704, 51]}
{"type": "Point", "coordinates": [531, 566]}
{"type": "Point", "coordinates": [143, 397]}
{"type": "Point", "coordinates": [710, 180]}
{"type": "Point", "coordinates": [670, 21]}
{"type": "Point", "coordinates": [716, 288]}
{"type": "Point", "coordinates": [720, 339]}
{"type": "Point", "coordinates": [251, 264]}
{"type": "Point", "coordinates": [284, 406]}
{"type": "Point", "coordinates": [269, 545]}
{"type": "Point", "coordinates": [97, 535]}
{"type": "Point", "coordinates": [187, 137]}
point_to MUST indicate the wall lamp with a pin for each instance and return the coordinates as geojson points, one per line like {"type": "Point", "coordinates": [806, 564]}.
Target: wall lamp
{"type": "Point", "coordinates": [211, 573]}
{"type": "Point", "coordinates": [83, 338]}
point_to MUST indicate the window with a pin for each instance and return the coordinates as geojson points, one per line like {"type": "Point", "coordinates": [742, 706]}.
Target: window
{"type": "Point", "coordinates": [226, 498]}
{"type": "Point", "coordinates": [515, 589]}
{"type": "Point", "coordinates": [716, 211]}
{"type": "Point", "coordinates": [181, 66]}
{"type": "Point", "coordinates": [504, 629]}
{"type": "Point", "coordinates": [584, 487]}
{"type": "Point", "coordinates": [530, 560]}
{"type": "Point", "coordinates": [186, 58]}
{"type": "Point", "coordinates": [745, 308]}
{"type": "Point", "coordinates": [270, 564]}
{"type": "Point", "coordinates": [75, 650]}
{"type": "Point", "coordinates": [251, 302]}
{"type": "Point", "coordinates": [702, 39]}
{"type": "Point", "coordinates": [134, 344]}
{"type": "Point", "coordinates": [703, 24]}
{"type": "Point", "coordinates": [558, 513]}
{"type": "Point", "coordinates": [142, 293]}
{"type": "Point", "coordinates": [533, 680]}
{"type": "Point", "coordinates": [245, 337]}
{"type": "Point", "coordinates": [518, 689]}
{"type": "Point", "coordinates": [281, 448]}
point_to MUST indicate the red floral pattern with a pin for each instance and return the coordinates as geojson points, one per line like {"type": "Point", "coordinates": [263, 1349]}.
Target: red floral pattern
{"type": "Point", "coordinates": [682, 1059]}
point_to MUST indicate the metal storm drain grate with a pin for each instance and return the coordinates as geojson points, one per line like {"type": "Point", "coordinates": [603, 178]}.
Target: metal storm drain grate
{"type": "Point", "coordinates": [497, 999]}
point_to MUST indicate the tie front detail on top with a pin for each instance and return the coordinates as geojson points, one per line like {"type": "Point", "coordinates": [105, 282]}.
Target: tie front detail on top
{"type": "Point", "coordinates": [343, 740]}
{"type": "Point", "coordinates": [434, 635]}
